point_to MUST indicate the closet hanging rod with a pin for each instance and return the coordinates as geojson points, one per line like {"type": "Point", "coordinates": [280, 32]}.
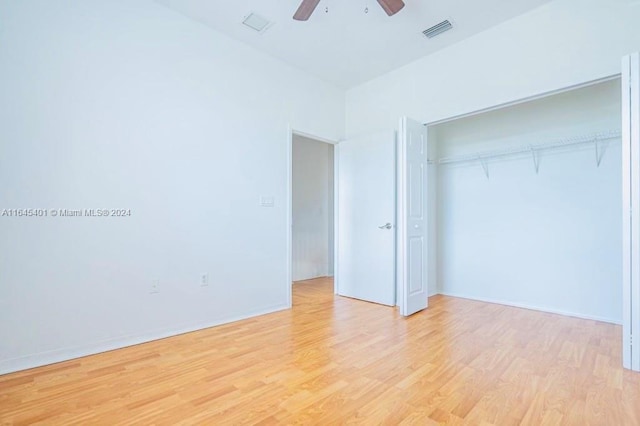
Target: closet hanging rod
{"type": "Point", "coordinates": [489, 155]}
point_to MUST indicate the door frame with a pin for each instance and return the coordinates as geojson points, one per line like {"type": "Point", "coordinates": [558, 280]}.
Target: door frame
{"type": "Point", "coordinates": [630, 211]}
{"type": "Point", "coordinates": [291, 131]}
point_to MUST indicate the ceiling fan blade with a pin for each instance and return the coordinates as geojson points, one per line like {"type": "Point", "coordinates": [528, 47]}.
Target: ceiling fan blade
{"type": "Point", "coordinates": [305, 10]}
{"type": "Point", "coordinates": [391, 6]}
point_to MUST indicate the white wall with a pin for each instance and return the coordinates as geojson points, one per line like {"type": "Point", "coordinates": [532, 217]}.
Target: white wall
{"type": "Point", "coordinates": [549, 241]}
{"type": "Point", "coordinates": [560, 44]}
{"type": "Point", "coordinates": [312, 209]}
{"type": "Point", "coordinates": [126, 104]}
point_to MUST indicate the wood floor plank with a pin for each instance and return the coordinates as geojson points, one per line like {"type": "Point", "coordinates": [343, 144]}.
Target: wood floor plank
{"type": "Point", "coordinates": [332, 360]}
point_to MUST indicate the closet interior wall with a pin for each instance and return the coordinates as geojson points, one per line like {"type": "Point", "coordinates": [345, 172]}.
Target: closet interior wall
{"type": "Point", "coordinates": [547, 239]}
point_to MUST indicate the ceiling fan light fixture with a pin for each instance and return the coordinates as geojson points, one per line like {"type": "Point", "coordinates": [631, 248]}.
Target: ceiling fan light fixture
{"type": "Point", "coordinates": [256, 22]}
{"type": "Point", "coordinates": [306, 8]}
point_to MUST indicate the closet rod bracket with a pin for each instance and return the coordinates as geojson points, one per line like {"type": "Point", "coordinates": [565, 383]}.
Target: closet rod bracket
{"type": "Point", "coordinates": [601, 147]}
{"type": "Point", "coordinates": [485, 166]}
{"type": "Point", "coordinates": [536, 158]}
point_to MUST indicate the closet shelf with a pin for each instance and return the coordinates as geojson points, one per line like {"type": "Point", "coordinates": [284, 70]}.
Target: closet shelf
{"type": "Point", "coordinates": [535, 148]}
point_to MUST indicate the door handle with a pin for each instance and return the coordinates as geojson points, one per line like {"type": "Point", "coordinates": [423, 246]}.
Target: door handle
{"type": "Point", "coordinates": [385, 226]}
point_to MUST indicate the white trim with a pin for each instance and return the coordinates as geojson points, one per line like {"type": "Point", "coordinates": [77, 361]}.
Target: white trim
{"type": "Point", "coordinates": [634, 140]}
{"type": "Point", "coordinates": [532, 307]}
{"type": "Point", "coordinates": [401, 225]}
{"type": "Point", "coordinates": [626, 216]}
{"type": "Point", "coordinates": [396, 142]}
{"type": "Point", "coordinates": [289, 220]}
{"type": "Point", "coordinates": [66, 354]}
{"type": "Point", "coordinates": [631, 210]}
{"type": "Point", "coordinates": [314, 137]}
{"type": "Point", "coordinates": [336, 220]}
{"type": "Point", "coordinates": [524, 100]}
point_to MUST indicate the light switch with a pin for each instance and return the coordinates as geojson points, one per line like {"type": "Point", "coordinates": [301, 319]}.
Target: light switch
{"type": "Point", "coordinates": [266, 201]}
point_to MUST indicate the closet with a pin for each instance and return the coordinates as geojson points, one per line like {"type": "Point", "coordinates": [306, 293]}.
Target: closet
{"type": "Point", "coordinates": [528, 204]}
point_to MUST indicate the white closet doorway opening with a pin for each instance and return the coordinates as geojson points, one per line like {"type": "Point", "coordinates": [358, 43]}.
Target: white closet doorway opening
{"type": "Point", "coordinates": [529, 210]}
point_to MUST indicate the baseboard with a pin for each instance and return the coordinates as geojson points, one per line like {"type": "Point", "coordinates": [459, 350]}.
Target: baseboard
{"type": "Point", "coordinates": [59, 355]}
{"type": "Point", "coordinates": [534, 308]}
{"type": "Point", "coordinates": [312, 278]}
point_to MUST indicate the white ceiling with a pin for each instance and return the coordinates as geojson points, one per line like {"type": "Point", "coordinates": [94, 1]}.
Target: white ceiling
{"type": "Point", "coordinates": [346, 46]}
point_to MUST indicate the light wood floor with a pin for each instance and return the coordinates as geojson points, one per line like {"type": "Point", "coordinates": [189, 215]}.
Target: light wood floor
{"type": "Point", "coordinates": [331, 360]}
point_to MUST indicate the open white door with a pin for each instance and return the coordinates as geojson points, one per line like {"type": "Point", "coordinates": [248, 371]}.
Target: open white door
{"type": "Point", "coordinates": [412, 217]}
{"type": "Point", "coordinates": [365, 229]}
{"type": "Point", "coordinates": [631, 211]}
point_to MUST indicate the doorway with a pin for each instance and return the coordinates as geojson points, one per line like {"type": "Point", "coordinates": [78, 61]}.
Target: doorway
{"type": "Point", "coordinates": [312, 209]}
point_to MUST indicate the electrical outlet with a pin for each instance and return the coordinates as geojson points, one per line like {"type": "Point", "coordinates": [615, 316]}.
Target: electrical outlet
{"type": "Point", "coordinates": [155, 287]}
{"type": "Point", "coordinates": [204, 279]}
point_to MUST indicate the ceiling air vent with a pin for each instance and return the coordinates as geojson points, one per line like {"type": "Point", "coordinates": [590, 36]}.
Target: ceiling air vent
{"type": "Point", "coordinates": [256, 22]}
{"type": "Point", "coordinates": [438, 29]}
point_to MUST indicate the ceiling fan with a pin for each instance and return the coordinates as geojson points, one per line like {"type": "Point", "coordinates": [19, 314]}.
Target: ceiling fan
{"type": "Point", "coordinates": [307, 7]}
